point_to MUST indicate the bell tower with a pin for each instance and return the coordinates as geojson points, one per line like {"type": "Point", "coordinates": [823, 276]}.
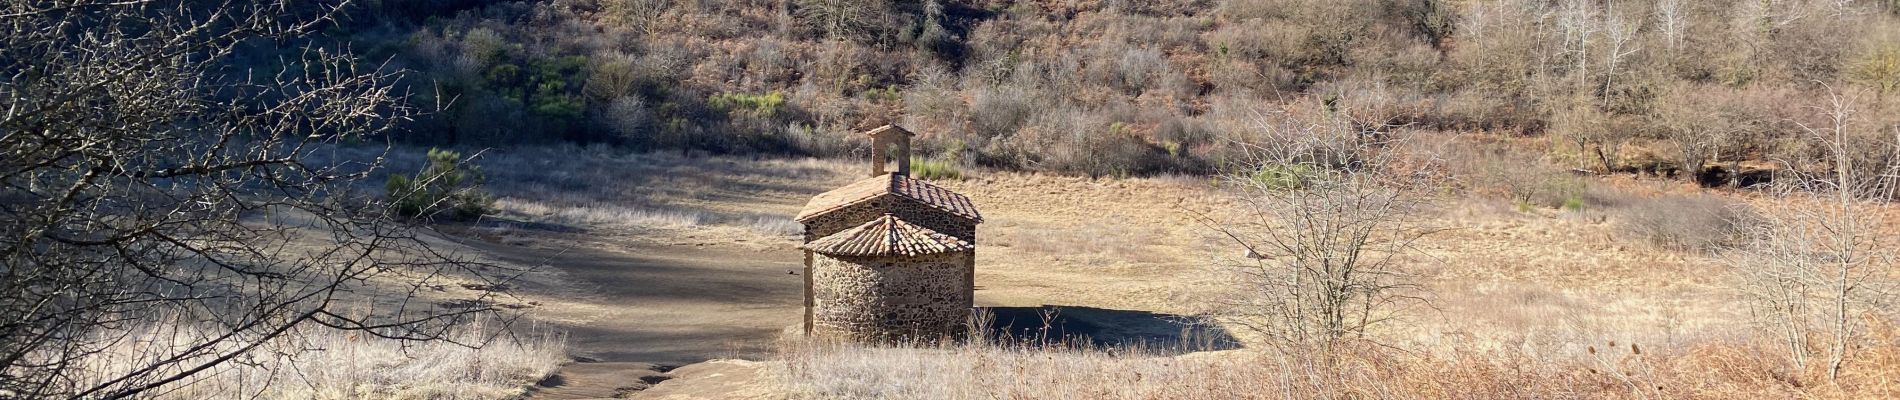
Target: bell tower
{"type": "Point", "coordinates": [890, 143]}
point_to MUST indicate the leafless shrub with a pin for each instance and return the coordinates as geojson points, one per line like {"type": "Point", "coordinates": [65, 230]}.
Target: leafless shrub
{"type": "Point", "coordinates": [1698, 222]}
{"type": "Point", "coordinates": [141, 177]}
{"type": "Point", "coordinates": [997, 113]}
{"type": "Point", "coordinates": [644, 15]}
{"type": "Point", "coordinates": [854, 19]}
{"type": "Point", "coordinates": [1323, 243]}
{"type": "Point", "coordinates": [1706, 125]}
{"type": "Point", "coordinates": [1853, 138]}
{"type": "Point", "coordinates": [1481, 110]}
{"type": "Point", "coordinates": [1814, 279]}
{"type": "Point", "coordinates": [767, 65]}
{"type": "Point", "coordinates": [1815, 276]}
{"type": "Point", "coordinates": [1079, 141]}
{"type": "Point", "coordinates": [667, 60]}
{"type": "Point", "coordinates": [1249, 39]}
{"type": "Point", "coordinates": [1597, 135]}
{"type": "Point", "coordinates": [1298, 133]}
{"type": "Point", "coordinates": [934, 104]}
{"type": "Point", "coordinates": [612, 76]}
{"type": "Point", "coordinates": [1141, 69]}
{"type": "Point", "coordinates": [1326, 267]}
{"type": "Point", "coordinates": [1369, 103]}
{"type": "Point", "coordinates": [1526, 179]}
{"type": "Point", "coordinates": [629, 118]}
{"type": "Point", "coordinates": [1246, 77]}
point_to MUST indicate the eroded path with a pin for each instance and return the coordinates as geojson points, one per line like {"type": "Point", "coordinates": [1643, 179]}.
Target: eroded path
{"type": "Point", "coordinates": [635, 308]}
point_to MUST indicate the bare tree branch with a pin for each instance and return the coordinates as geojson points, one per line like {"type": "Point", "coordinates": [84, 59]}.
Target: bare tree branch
{"type": "Point", "coordinates": [144, 176]}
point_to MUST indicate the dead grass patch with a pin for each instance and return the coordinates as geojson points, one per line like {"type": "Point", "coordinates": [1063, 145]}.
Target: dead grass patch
{"type": "Point", "coordinates": [480, 361]}
{"type": "Point", "coordinates": [1096, 241]}
{"type": "Point", "coordinates": [1689, 222]}
{"type": "Point", "coordinates": [1451, 369]}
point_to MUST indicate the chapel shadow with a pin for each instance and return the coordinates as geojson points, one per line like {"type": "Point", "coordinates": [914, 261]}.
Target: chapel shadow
{"type": "Point", "coordinates": [1165, 334]}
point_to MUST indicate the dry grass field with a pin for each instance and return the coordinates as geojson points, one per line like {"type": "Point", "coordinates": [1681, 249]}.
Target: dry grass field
{"type": "Point", "coordinates": [1537, 302]}
{"type": "Point", "coordinates": [1545, 303]}
{"type": "Point", "coordinates": [641, 263]}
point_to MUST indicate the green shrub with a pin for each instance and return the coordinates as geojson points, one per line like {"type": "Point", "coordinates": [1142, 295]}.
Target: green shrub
{"type": "Point", "coordinates": [446, 188]}
{"type": "Point", "coordinates": [1284, 176]}
{"type": "Point", "coordinates": [935, 170]}
{"type": "Point", "coordinates": [764, 105]}
{"type": "Point", "coordinates": [1559, 190]}
{"type": "Point", "coordinates": [555, 82]}
{"type": "Point", "coordinates": [1879, 68]}
{"type": "Point", "coordinates": [1573, 203]}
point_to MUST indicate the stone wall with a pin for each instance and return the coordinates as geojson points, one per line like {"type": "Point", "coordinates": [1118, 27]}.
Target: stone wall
{"type": "Point", "coordinates": [905, 209]}
{"type": "Point", "coordinates": [892, 297]}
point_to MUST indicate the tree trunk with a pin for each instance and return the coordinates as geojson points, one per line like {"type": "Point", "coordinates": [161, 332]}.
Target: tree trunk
{"type": "Point", "coordinates": [1608, 166]}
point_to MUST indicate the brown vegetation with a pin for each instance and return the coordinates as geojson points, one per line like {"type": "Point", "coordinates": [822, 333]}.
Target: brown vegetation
{"type": "Point", "coordinates": [1110, 87]}
{"type": "Point", "coordinates": [477, 362]}
{"type": "Point", "coordinates": [1456, 369]}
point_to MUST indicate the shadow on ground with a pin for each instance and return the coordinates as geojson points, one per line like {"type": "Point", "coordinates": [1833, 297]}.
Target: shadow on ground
{"type": "Point", "coordinates": [1162, 333]}
{"type": "Point", "coordinates": [629, 301]}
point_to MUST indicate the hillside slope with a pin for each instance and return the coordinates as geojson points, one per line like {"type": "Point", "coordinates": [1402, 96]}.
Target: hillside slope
{"type": "Point", "coordinates": [1120, 87]}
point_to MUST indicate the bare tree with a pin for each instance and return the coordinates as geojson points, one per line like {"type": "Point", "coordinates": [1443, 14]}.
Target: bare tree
{"type": "Point", "coordinates": [1620, 35]}
{"type": "Point", "coordinates": [1672, 22]}
{"type": "Point", "coordinates": [1580, 26]}
{"type": "Point", "coordinates": [1323, 254]}
{"type": "Point", "coordinates": [1591, 129]}
{"type": "Point", "coordinates": [1814, 274]}
{"type": "Point", "coordinates": [1705, 125]}
{"type": "Point", "coordinates": [144, 177]}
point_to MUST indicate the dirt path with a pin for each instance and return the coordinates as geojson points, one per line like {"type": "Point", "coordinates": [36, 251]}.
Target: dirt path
{"type": "Point", "coordinates": [633, 309]}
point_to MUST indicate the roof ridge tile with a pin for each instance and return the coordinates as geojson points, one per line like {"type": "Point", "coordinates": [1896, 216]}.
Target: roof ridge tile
{"type": "Point", "coordinates": [887, 235]}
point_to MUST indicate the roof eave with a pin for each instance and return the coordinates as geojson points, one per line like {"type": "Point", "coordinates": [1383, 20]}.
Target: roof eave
{"type": "Point", "coordinates": [808, 216]}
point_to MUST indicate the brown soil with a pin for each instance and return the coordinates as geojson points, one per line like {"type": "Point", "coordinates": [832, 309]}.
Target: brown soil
{"type": "Point", "coordinates": [667, 304]}
{"type": "Point", "coordinates": [634, 307]}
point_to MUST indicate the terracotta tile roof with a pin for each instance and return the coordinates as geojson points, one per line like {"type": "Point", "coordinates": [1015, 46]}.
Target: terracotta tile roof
{"type": "Point", "coordinates": [887, 236]}
{"type": "Point", "coordinates": [896, 184]}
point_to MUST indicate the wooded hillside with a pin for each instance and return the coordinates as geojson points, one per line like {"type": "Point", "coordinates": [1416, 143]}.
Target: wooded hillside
{"type": "Point", "coordinates": [1129, 87]}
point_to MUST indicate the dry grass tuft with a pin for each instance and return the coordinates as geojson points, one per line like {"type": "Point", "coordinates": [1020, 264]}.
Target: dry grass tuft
{"type": "Point", "coordinates": [602, 215]}
{"type": "Point", "coordinates": [328, 364]}
{"type": "Point", "coordinates": [1693, 222]}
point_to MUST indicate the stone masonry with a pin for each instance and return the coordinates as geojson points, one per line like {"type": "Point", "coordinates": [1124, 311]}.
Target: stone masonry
{"type": "Point", "coordinates": [892, 297]}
